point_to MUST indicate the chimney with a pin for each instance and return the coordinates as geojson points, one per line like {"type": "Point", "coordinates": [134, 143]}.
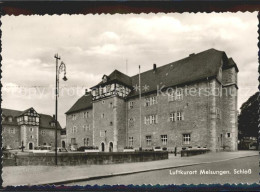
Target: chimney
{"type": "Point", "coordinates": [53, 116]}
{"type": "Point", "coordinates": [154, 67]}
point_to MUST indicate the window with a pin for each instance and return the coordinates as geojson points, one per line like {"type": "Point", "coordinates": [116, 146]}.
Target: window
{"type": "Point", "coordinates": [151, 119]}
{"type": "Point", "coordinates": [111, 105]}
{"type": "Point", "coordinates": [12, 130]}
{"type": "Point", "coordinates": [73, 117]}
{"type": "Point", "coordinates": [103, 102]}
{"type": "Point", "coordinates": [87, 142]}
{"type": "Point", "coordinates": [25, 118]}
{"type": "Point", "coordinates": [148, 140]}
{"type": "Point", "coordinates": [186, 139]}
{"type": "Point", "coordinates": [131, 105]}
{"type": "Point", "coordinates": [31, 136]}
{"type": "Point", "coordinates": [53, 124]}
{"type": "Point", "coordinates": [84, 127]}
{"type": "Point", "coordinates": [179, 95]}
{"type": "Point", "coordinates": [147, 120]}
{"type": "Point", "coordinates": [73, 141]}
{"type": "Point", "coordinates": [131, 122]}
{"type": "Point", "coordinates": [10, 119]}
{"type": "Point", "coordinates": [131, 141]}
{"type": "Point", "coordinates": [179, 116]}
{"type": "Point", "coordinates": [111, 123]}
{"type": "Point", "coordinates": [31, 129]}
{"type": "Point", "coordinates": [147, 102]}
{"type": "Point", "coordinates": [228, 135]}
{"type": "Point", "coordinates": [102, 133]}
{"type": "Point", "coordinates": [102, 115]}
{"type": "Point", "coordinates": [218, 113]}
{"type": "Point", "coordinates": [74, 129]}
{"type": "Point", "coordinates": [153, 100]}
{"type": "Point", "coordinates": [172, 116]}
{"type": "Point", "coordinates": [37, 119]}
{"type": "Point", "coordinates": [101, 91]}
{"type": "Point", "coordinates": [42, 132]}
{"type": "Point", "coordinates": [171, 96]}
{"type": "Point", "coordinates": [164, 139]}
{"type": "Point", "coordinates": [85, 114]}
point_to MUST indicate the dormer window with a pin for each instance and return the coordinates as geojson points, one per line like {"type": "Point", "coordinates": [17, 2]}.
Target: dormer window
{"type": "Point", "coordinates": [104, 79]}
{"type": "Point", "coordinates": [10, 119]}
{"type": "Point", "coordinates": [53, 124]}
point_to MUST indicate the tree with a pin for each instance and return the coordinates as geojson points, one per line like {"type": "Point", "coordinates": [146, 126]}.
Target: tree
{"type": "Point", "coordinates": [248, 117]}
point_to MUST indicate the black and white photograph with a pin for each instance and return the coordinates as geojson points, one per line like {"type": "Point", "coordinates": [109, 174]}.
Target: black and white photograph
{"type": "Point", "coordinates": [166, 98]}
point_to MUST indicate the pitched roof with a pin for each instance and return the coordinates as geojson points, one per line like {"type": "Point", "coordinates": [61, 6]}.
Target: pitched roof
{"type": "Point", "coordinates": [231, 63]}
{"type": "Point", "coordinates": [117, 76]}
{"type": "Point", "coordinates": [45, 120]}
{"type": "Point", "coordinates": [195, 67]}
{"type": "Point", "coordinates": [85, 102]}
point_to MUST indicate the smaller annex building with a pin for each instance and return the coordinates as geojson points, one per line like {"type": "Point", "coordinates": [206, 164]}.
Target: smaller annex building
{"type": "Point", "coordinates": [28, 127]}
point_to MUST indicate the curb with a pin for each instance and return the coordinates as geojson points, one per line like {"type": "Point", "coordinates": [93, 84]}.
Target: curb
{"type": "Point", "coordinates": [134, 172]}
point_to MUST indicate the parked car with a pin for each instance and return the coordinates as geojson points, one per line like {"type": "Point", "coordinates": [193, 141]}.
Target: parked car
{"type": "Point", "coordinates": [42, 149]}
{"type": "Point", "coordinates": [60, 149]}
{"type": "Point", "coordinates": [83, 148]}
{"type": "Point", "coordinates": [253, 145]}
{"type": "Point", "coordinates": [8, 147]}
{"type": "Point", "coordinates": [72, 148]}
{"type": "Point", "coordinates": [158, 148]}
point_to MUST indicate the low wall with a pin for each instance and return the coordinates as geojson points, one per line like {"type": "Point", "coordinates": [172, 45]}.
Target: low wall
{"type": "Point", "coordinates": [89, 158]}
{"type": "Point", "coordinates": [191, 152]}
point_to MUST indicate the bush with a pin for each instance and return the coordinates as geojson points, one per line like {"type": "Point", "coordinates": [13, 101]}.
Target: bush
{"type": "Point", "coordinates": [148, 150]}
{"type": "Point", "coordinates": [183, 148]}
{"type": "Point", "coordinates": [157, 147]}
{"type": "Point", "coordinates": [164, 149]}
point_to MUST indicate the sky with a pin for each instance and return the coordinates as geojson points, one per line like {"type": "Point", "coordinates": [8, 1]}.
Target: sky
{"type": "Point", "coordinates": [94, 45]}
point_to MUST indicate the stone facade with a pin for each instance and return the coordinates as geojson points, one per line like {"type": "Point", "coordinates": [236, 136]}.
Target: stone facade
{"type": "Point", "coordinates": [199, 113]}
{"type": "Point", "coordinates": [79, 129]}
{"type": "Point", "coordinates": [27, 128]}
{"type": "Point", "coordinates": [47, 137]}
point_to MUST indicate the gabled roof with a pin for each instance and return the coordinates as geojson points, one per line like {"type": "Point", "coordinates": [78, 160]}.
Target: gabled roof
{"type": "Point", "coordinates": [45, 120]}
{"type": "Point", "coordinates": [231, 63]}
{"type": "Point", "coordinates": [85, 102]}
{"type": "Point", "coordinates": [195, 67]}
{"type": "Point", "coordinates": [117, 76]}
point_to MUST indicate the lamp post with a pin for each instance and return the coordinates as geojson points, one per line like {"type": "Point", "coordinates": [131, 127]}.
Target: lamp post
{"type": "Point", "coordinates": [59, 69]}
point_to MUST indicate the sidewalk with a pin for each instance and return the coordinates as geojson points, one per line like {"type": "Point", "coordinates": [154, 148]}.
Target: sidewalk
{"type": "Point", "coordinates": [38, 175]}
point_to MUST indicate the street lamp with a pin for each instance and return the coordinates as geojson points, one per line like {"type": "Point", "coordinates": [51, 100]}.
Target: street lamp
{"type": "Point", "coordinates": [59, 69]}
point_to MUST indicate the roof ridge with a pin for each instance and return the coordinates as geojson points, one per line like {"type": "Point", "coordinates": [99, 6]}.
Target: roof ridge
{"type": "Point", "coordinates": [174, 62]}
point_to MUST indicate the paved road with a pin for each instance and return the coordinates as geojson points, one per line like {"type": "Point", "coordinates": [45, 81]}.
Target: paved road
{"type": "Point", "coordinates": [195, 176]}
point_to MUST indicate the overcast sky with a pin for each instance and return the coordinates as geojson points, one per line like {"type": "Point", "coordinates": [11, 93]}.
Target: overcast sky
{"type": "Point", "coordinates": [93, 45]}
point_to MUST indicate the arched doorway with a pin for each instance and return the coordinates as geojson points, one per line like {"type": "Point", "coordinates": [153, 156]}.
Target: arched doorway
{"type": "Point", "coordinates": [63, 144]}
{"type": "Point", "coordinates": [30, 146]}
{"type": "Point", "coordinates": [102, 147]}
{"type": "Point", "coordinates": [110, 147]}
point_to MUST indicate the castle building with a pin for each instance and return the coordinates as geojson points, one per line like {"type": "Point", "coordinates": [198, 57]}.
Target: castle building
{"type": "Point", "coordinates": [188, 103]}
{"type": "Point", "coordinates": [28, 128]}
